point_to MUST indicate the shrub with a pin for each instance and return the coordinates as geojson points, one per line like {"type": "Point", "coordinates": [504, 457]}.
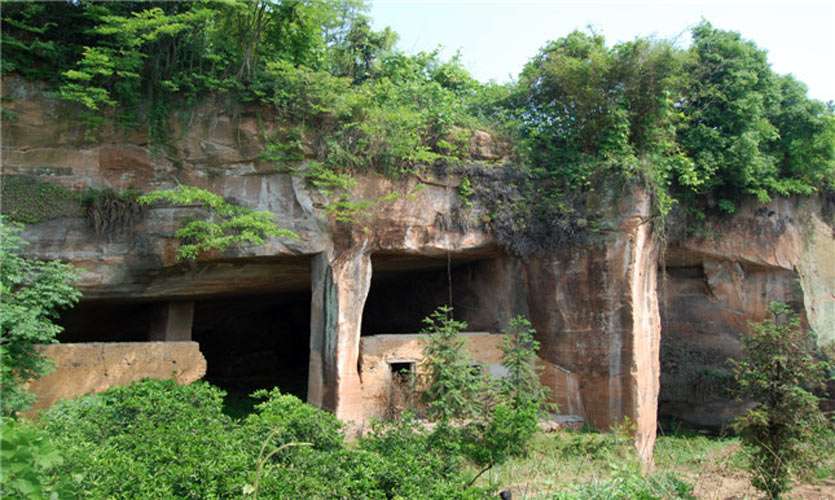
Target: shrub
{"type": "Point", "coordinates": [152, 438]}
{"type": "Point", "coordinates": [418, 463]}
{"type": "Point", "coordinates": [629, 484]}
{"type": "Point", "coordinates": [284, 418]}
{"type": "Point", "coordinates": [156, 439]}
{"type": "Point", "coordinates": [779, 371]}
{"type": "Point", "coordinates": [28, 460]}
{"type": "Point", "coordinates": [31, 293]}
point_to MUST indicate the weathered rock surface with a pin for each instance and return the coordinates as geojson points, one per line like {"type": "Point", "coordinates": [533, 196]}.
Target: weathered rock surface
{"type": "Point", "coordinates": [717, 283]}
{"type": "Point", "coordinates": [596, 313]}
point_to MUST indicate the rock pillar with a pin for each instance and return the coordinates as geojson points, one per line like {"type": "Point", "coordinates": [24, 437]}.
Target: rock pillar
{"type": "Point", "coordinates": [596, 313]}
{"type": "Point", "coordinates": [171, 321]}
{"type": "Point", "coordinates": [340, 287]}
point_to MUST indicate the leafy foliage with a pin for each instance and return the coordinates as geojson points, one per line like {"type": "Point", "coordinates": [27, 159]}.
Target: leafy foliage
{"type": "Point", "coordinates": [704, 127]}
{"type": "Point", "coordinates": [489, 422]}
{"type": "Point", "coordinates": [31, 294]}
{"type": "Point", "coordinates": [628, 483]}
{"type": "Point", "coordinates": [151, 439]}
{"type": "Point", "coordinates": [780, 371]}
{"type": "Point", "coordinates": [157, 439]}
{"type": "Point", "coordinates": [228, 224]}
{"type": "Point", "coordinates": [318, 63]}
{"type": "Point", "coordinates": [519, 348]}
{"type": "Point", "coordinates": [29, 460]}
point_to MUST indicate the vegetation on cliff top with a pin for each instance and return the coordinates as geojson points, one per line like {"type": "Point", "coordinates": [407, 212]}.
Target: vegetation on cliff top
{"type": "Point", "coordinates": [702, 127]}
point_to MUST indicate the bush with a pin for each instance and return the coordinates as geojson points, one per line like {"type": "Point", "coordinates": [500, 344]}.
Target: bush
{"type": "Point", "coordinates": [157, 439]}
{"type": "Point", "coordinates": [418, 463]}
{"type": "Point", "coordinates": [283, 418]}
{"type": "Point", "coordinates": [29, 460]}
{"type": "Point", "coordinates": [31, 294]}
{"type": "Point", "coordinates": [779, 371]}
{"type": "Point", "coordinates": [152, 438]}
{"type": "Point", "coordinates": [629, 484]}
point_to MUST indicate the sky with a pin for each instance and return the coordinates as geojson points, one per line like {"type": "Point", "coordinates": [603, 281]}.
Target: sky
{"type": "Point", "coordinates": [497, 37]}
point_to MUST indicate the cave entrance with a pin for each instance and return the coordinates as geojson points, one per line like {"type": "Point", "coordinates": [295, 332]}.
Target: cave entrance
{"type": "Point", "coordinates": [405, 289]}
{"type": "Point", "coordinates": [107, 321]}
{"type": "Point", "coordinates": [255, 342]}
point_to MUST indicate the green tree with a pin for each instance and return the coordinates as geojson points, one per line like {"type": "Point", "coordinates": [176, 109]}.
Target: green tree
{"type": "Point", "coordinates": [779, 371]}
{"type": "Point", "coordinates": [454, 389]}
{"type": "Point", "coordinates": [522, 384]}
{"type": "Point", "coordinates": [227, 225]}
{"type": "Point", "coordinates": [31, 294]}
{"type": "Point", "coordinates": [727, 103]}
{"type": "Point", "coordinates": [805, 148]}
{"type": "Point", "coordinates": [517, 401]}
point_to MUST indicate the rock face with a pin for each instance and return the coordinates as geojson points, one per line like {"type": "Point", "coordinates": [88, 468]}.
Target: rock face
{"type": "Point", "coordinates": [595, 306]}
{"type": "Point", "coordinates": [717, 283]}
{"type": "Point", "coordinates": [596, 312]}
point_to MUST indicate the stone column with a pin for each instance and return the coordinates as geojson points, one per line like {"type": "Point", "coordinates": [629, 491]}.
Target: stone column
{"type": "Point", "coordinates": [340, 287]}
{"type": "Point", "coordinates": [171, 321]}
{"type": "Point", "coordinates": [596, 313]}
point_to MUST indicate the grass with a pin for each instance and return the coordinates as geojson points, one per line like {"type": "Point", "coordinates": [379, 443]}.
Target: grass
{"type": "Point", "coordinates": [577, 464]}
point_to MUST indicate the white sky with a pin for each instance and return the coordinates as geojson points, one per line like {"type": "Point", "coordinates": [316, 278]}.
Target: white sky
{"type": "Point", "coordinates": [497, 37]}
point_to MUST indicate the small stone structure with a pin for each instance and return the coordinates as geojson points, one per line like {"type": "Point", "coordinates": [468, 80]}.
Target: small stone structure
{"type": "Point", "coordinates": [387, 363]}
{"type": "Point", "coordinates": [96, 366]}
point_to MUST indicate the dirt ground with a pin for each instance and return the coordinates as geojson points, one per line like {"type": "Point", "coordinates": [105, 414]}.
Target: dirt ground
{"type": "Point", "coordinates": [719, 481]}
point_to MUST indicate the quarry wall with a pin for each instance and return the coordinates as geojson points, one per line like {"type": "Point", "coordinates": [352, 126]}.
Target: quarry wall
{"type": "Point", "coordinates": [616, 326]}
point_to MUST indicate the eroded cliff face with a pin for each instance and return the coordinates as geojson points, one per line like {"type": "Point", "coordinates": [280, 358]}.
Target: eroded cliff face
{"type": "Point", "coordinates": [716, 283]}
{"type": "Point", "coordinates": [595, 305]}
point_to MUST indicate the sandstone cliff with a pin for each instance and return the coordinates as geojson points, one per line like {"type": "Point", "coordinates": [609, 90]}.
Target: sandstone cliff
{"type": "Point", "coordinates": [614, 330]}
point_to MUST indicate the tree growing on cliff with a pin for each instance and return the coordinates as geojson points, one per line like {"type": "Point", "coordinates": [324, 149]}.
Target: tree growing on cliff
{"type": "Point", "coordinates": [31, 293]}
{"type": "Point", "coordinates": [227, 225]}
{"type": "Point", "coordinates": [779, 371]}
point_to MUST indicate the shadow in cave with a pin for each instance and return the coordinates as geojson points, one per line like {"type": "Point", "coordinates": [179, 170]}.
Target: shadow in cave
{"type": "Point", "coordinates": [106, 321]}
{"type": "Point", "coordinates": [405, 289]}
{"type": "Point", "coordinates": [255, 342]}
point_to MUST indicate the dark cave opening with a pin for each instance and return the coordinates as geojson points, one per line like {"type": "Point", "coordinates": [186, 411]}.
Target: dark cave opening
{"type": "Point", "coordinates": [106, 321]}
{"type": "Point", "coordinates": [405, 289]}
{"type": "Point", "coordinates": [255, 342]}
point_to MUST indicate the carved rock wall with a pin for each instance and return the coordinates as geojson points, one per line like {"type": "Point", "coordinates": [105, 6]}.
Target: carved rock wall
{"type": "Point", "coordinates": [717, 283]}
{"type": "Point", "coordinates": [596, 313]}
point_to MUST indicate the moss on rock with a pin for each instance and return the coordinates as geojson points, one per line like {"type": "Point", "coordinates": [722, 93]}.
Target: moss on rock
{"type": "Point", "coordinates": [29, 200]}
